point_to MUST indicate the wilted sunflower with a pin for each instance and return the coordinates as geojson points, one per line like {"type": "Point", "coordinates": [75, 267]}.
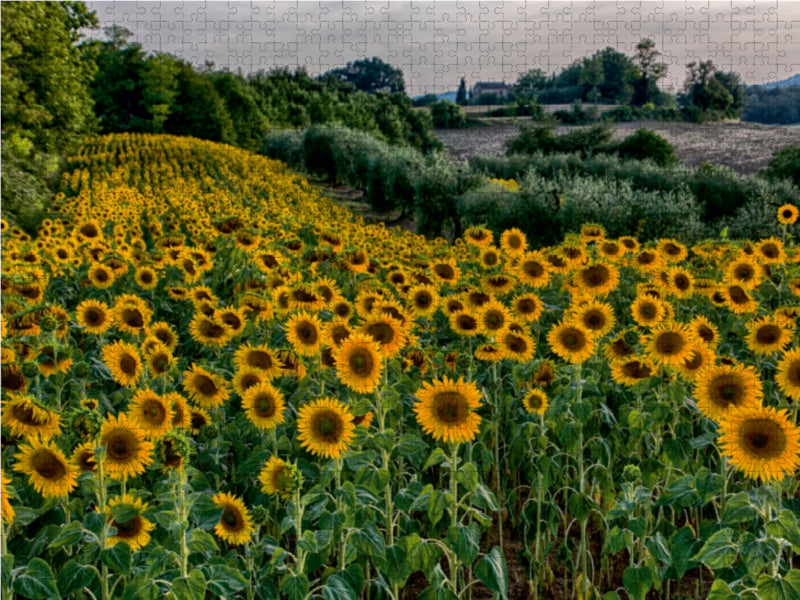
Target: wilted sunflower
{"type": "Point", "coordinates": [23, 415]}
{"type": "Point", "coordinates": [787, 375]}
{"type": "Point", "coordinates": [631, 371]}
{"type": "Point", "coordinates": [787, 214]}
{"type": "Point", "coordinates": [767, 335]}
{"type": "Point", "coordinates": [122, 359]}
{"type": "Point", "coordinates": [571, 342]}
{"type": "Point", "coordinates": [388, 332]}
{"type": "Point", "coordinates": [6, 510]}
{"type": "Point", "coordinates": [724, 387]}
{"type": "Point", "coordinates": [278, 477]}
{"type": "Point", "coordinates": [135, 531]}
{"type": "Point", "coordinates": [536, 402]}
{"type": "Point", "coordinates": [151, 413]}
{"type": "Point", "coordinates": [48, 470]}
{"type": "Point", "coordinates": [127, 451]}
{"type": "Point", "coordinates": [513, 242]}
{"type": "Point", "coordinates": [761, 442]}
{"type": "Point", "coordinates": [325, 427]}
{"type": "Point", "coordinates": [264, 406]}
{"type": "Point", "coordinates": [445, 410]}
{"type": "Point", "coordinates": [94, 316]}
{"type": "Point", "coordinates": [304, 332]}
{"type": "Point", "coordinates": [545, 374]}
{"type": "Point", "coordinates": [205, 388]}
{"type": "Point", "coordinates": [669, 344]}
{"type": "Point", "coordinates": [359, 364]}
{"type": "Point", "coordinates": [12, 381]}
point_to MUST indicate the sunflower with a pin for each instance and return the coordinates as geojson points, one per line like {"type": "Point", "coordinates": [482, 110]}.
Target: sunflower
{"type": "Point", "coordinates": [123, 360]}
{"type": "Point", "coordinates": [516, 345]}
{"type": "Point", "coordinates": [359, 363]}
{"type": "Point", "coordinates": [335, 332]}
{"type": "Point", "coordinates": [478, 236]}
{"type": "Point", "coordinates": [205, 388]}
{"type": "Point", "coordinates": [761, 442]}
{"type": "Point", "coordinates": [545, 374]}
{"type": "Point", "coordinates": [278, 477]}
{"type": "Point", "coordinates": [492, 318]}
{"type": "Point", "coordinates": [704, 331]}
{"type": "Point", "coordinates": [50, 361]}
{"type": "Point", "coordinates": [325, 427]}
{"type": "Point", "coordinates": [291, 365]}
{"type": "Point", "coordinates": [668, 344]}
{"type": "Point", "coordinates": [680, 282]}
{"type": "Point", "coordinates": [489, 352]}
{"type": "Point", "coordinates": [770, 251]}
{"type": "Point", "coordinates": [233, 319]}
{"type": "Point", "coordinates": [304, 331]}
{"type": "Point", "coordinates": [164, 333]}
{"type": "Point", "coordinates": [246, 378]}
{"type": "Point", "coordinates": [423, 300]}
{"type": "Point", "coordinates": [158, 359]}
{"type": "Point", "coordinates": [146, 277]}
{"type": "Point", "coordinates": [698, 360]}
{"type": "Point", "coordinates": [787, 375]}
{"type": "Point", "coordinates": [198, 418]}
{"type": "Point", "coordinates": [498, 283]}
{"type": "Point", "coordinates": [598, 279]}
{"type": "Point", "coordinates": [597, 317]}
{"type": "Point", "coordinates": [609, 249]}
{"type": "Point", "coordinates": [6, 510]}
{"type": "Point", "coordinates": [571, 341]}
{"type": "Point", "coordinates": [264, 406]}
{"type": "Point", "coordinates": [767, 335]}
{"type": "Point", "coordinates": [787, 214]}
{"type": "Point", "coordinates": [535, 402]}
{"type": "Point", "coordinates": [445, 410]}
{"type": "Point", "coordinates": [94, 316]}
{"type": "Point", "coordinates": [23, 415]}
{"type": "Point", "coordinates": [83, 457]}
{"type": "Point", "coordinates": [722, 388]}
{"type": "Point", "coordinates": [465, 323]}
{"type": "Point", "coordinates": [364, 420]}
{"type": "Point", "coordinates": [533, 269]}
{"type": "Point", "coordinates": [744, 271]}
{"type": "Point", "coordinates": [235, 524]}
{"type": "Point", "coordinates": [738, 300]}
{"type": "Point", "coordinates": [388, 332]}
{"type": "Point", "coordinates": [101, 276]}
{"type": "Point", "coordinates": [527, 307]}
{"type": "Point", "coordinates": [513, 242]}
{"type": "Point", "coordinates": [648, 311]}
{"type": "Point", "coordinates": [208, 331]}
{"type": "Point", "coordinates": [631, 371]}
{"type": "Point", "coordinates": [134, 531]}
{"type": "Point", "coordinates": [592, 232]}
{"type": "Point", "coordinates": [151, 413]}
{"type": "Point", "coordinates": [12, 380]}
{"type": "Point", "coordinates": [127, 451]}
{"type": "Point", "coordinates": [445, 270]}
{"type": "Point", "coordinates": [257, 357]}
{"type": "Point", "coordinates": [490, 257]}
{"type": "Point", "coordinates": [672, 251]}
{"type": "Point", "coordinates": [646, 261]}
{"type": "Point", "coordinates": [48, 470]}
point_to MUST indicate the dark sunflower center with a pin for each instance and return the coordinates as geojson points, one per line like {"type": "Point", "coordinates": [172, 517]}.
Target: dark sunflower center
{"type": "Point", "coordinates": [770, 251]}
{"type": "Point", "coordinates": [328, 426]}
{"type": "Point", "coordinates": [231, 519]}
{"type": "Point", "coordinates": [738, 295]}
{"type": "Point", "coordinates": [154, 412]}
{"type": "Point", "coordinates": [768, 334]}
{"type": "Point", "coordinates": [728, 392]}
{"type": "Point", "coordinates": [535, 402]}
{"type": "Point", "coordinates": [493, 319]}
{"type": "Point", "coordinates": [670, 343]}
{"type": "Point", "coordinates": [532, 268]}
{"type": "Point", "coordinates": [232, 320]}
{"type": "Point", "coordinates": [121, 446]}
{"type": "Point", "coordinates": [12, 379]}
{"type": "Point", "coordinates": [636, 370]}
{"type": "Point", "coordinates": [515, 344]}
{"type": "Point", "coordinates": [694, 362]}
{"type": "Point", "coordinates": [526, 306]}
{"type": "Point", "coordinates": [787, 214]}
{"type": "Point", "coordinates": [793, 372]}
{"type": "Point", "coordinates": [129, 529]}
{"type": "Point", "coordinates": [594, 319]}
{"type": "Point", "coordinates": [423, 300]}
{"type": "Point", "coordinates": [705, 333]}
{"type": "Point", "coordinates": [265, 405]}
{"type": "Point", "coordinates": [249, 380]}
{"type": "Point", "coordinates": [595, 276]}
{"type": "Point", "coordinates": [25, 415]}
{"type": "Point", "coordinates": [744, 272]}
{"type": "Point", "coordinates": [94, 316]}
{"type": "Point", "coordinates": [681, 282]}
{"type": "Point", "coordinates": [127, 364]}
{"type": "Point", "coordinates": [89, 230]}
{"type": "Point", "coordinates": [46, 464]}
{"type": "Point", "coordinates": [381, 332]}
{"type": "Point", "coordinates": [205, 385]}
{"type": "Point", "coordinates": [361, 362]}
{"type": "Point", "coordinates": [573, 339]}
{"type": "Point", "coordinates": [259, 359]}
{"type": "Point", "coordinates": [467, 323]}
{"type": "Point", "coordinates": [211, 330]}
{"type": "Point", "coordinates": [146, 277]}
{"type": "Point", "coordinates": [763, 438]}
{"type": "Point", "coordinates": [444, 271]}
{"type": "Point", "coordinates": [647, 311]}
{"type": "Point", "coordinates": [450, 407]}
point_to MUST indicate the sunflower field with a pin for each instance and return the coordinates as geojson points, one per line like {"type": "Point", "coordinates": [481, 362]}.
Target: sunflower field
{"type": "Point", "coordinates": [217, 383]}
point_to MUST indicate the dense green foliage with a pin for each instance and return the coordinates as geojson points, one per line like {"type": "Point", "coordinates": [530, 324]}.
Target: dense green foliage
{"type": "Point", "coordinates": [369, 75]}
{"type": "Point", "coordinates": [785, 164]}
{"type": "Point", "coordinates": [775, 106]}
{"type": "Point", "coordinates": [710, 94]}
{"type": "Point", "coordinates": [644, 144]}
{"type": "Point", "coordinates": [445, 114]}
{"type": "Point", "coordinates": [541, 138]}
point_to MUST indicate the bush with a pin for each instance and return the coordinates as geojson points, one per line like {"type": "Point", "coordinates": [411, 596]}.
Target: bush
{"type": "Point", "coordinates": [519, 109]}
{"type": "Point", "coordinates": [532, 139]}
{"type": "Point", "coordinates": [577, 115]}
{"type": "Point", "coordinates": [645, 144]}
{"type": "Point", "coordinates": [785, 164]}
{"type": "Point", "coordinates": [584, 140]}
{"type": "Point", "coordinates": [719, 190]}
{"type": "Point", "coordinates": [447, 115]}
{"type": "Point", "coordinates": [286, 145]}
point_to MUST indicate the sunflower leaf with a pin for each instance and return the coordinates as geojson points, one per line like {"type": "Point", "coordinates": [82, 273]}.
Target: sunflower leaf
{"type": "Point", "coordinates": [192, 587]}
{"type": "Point", "coordinates": [36, 581]}
{"type": "Point", "coordinates": [491, 570]}
{"type": "Point", "coordinates": [68, 536]}
{"type": "Point", "coordinates": [295, 586]}
{"type": "Point", "coordinates": [719, 550]}
{"type": "Point", "coordinates": [117, 558]}
{"type": "Point", "coordinates": [73, 577]}
{"type": "Point", "coordinates": [638, 581]}
{"type": "Point", "coordinates": [786, 526]}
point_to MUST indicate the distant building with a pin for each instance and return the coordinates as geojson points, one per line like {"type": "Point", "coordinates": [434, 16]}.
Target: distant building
{"type": "Point", "coordinates": [499, 88]}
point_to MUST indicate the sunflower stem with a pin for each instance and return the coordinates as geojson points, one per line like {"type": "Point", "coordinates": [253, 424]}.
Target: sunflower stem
{"type": "Point", "coordinates": [453, 558]}
{"type": "Point", "coordinates": [101, 500]}
{"type": "Point", "coordinates": [299, 552]}
{"type": "Point", "coordinates": [180, 484]}
{"type": "Point", "coordinates": [496, 451]}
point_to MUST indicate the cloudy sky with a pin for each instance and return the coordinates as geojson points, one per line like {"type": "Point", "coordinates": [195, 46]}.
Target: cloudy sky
{"type": "Point", "coordinates": [437, 43]}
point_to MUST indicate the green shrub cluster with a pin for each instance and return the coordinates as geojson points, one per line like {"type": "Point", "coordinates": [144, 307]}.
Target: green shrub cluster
{"type": "Point", "coordinates": [646, 144]}
{"type": "Point", "coordinates": [648, 112]}
{"type": "Point", "coordinates": [447, 115]}
{"type": "Point", "coordinates": [541, 138]}
{"type": "Point", "coordinates": [785, 164]}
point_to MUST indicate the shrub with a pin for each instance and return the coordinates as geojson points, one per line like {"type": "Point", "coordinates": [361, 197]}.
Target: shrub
{"type": "Point", "coordinates": [447, 115]}
{"type": "Point", "coordinates": [719, 190]}
{"type": "Point", "coordinates": [286, 145]}
{"type": "Point", "coordinates": [785, 164]}
{"type": "Point", "coordinates": [584, 140]}
{"type": "Point", "coordinates": [646, 144]}
{"type": "Point", "coordinates": [532, 139]}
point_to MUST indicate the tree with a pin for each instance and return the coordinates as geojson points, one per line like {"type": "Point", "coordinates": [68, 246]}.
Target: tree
{"type": "Point", "coordinates": [461, 95]}
{"type": "Point", "coordinates": [198, 110]}
{"type": "Point", "coordinates": [645, 88]}
{"type": "Point", "coordinates": [529, 83]}
{"type": "Point", "coordinates": [45, 76]}
{"type": "Point", "coordinates": [369, 75]}
{"type": "Point", "coordinates": [249, 123]}
{"type": "Point", "coordinates": [617, 73]}
{"type": "Point", "coordinates": [709, 94]}
{"type": "Point", "coordinates": [592, 76]}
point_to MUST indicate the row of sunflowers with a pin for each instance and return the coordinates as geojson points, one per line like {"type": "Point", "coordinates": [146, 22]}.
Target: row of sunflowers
{"type": "Point", "coordinates": [216, 381]}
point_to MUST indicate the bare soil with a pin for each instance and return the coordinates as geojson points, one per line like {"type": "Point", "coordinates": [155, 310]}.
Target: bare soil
{"type": "Point", "coordinates": [744, 147]}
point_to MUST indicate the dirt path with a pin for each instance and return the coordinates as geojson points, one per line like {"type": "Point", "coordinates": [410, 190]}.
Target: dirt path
{"type": "Point", "coordinates": [744, 147]}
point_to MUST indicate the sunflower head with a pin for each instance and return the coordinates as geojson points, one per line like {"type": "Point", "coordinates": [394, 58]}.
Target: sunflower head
{"type": "Point", "coordinates": [535, 402]}
{"type": "Point", "coordinates": [359, 362]}
{"type": "Point", "coordinates": [279, 477]}
{"type": "Point", "coordinates": [127, 452]}
{"type": "Point", "coordinates": [264, 406]}
{"type": "Point", "coordinates": [325, 427]}
{"type": "Point", "coordinates": [787, 214]}
{"type": "Point", "coordinates": [719, 389]}
{"type": "Point", "coordinates": [48, 470]}
{"type": "Point", "coordinates": [445, 410]}
{"type": "Point", "coordinates": [133, 530]}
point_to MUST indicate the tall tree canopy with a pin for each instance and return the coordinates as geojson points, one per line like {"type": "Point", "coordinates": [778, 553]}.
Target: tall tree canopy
{"type": "Point", "coordinates": [369, 75]}
{"type": "Point", "coordinates": [645, 88]}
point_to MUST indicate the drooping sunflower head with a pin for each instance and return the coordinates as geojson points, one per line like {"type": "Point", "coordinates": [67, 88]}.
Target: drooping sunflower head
{"type": "Point", "coordinates": [325, 427]}
{"type": "Point", "coordinates": [48, 470]}
{"type": "Point", "coordinates": [133, 530]}
{"type": "Point", "coordinates": [631, 371]}
{"type": "Point", "coordinates": [127, 452]}
{"type": "Point", "coordinates": [489, 352]}
{"type": "Point", "coordinates": [83, 457]}
{"type": "Point", "coordinates": [279, 477]}
{"type": "Point", "coordinates": [761, 442]}
{"type": "Point", "coordinates": [445, 410]}
{"type": "Point", "coordinates": [724, 387]}
{"type": "Point", "coordinates": [25, 417]}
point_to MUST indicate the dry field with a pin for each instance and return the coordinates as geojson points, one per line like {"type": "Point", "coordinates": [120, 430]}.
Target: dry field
{"type": "Point", "coordinates": [744, 147]}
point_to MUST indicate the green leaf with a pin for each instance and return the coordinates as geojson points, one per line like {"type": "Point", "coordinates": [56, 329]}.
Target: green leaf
{"type": "Point", "coordinates": [720, 591]}
{"type": "Point", "coordinates": [786, 588]}
{"type": "Point", "coordinates": [786, 527]}
{"type": "Point", "coordinates": [123, 512]}
{"type": "Point", "coordinates": [37, 581]}
{"type": "Point", "coordinates": [396, 567]}
{"type": "Point", "coordinates": [338, 587]}
{"type": "Point", "coordinates": [74, 576]}
{"type": "Point", "coordinates": [637, 581]}
{"type": "Point", "coordinates": [739, 509]}
{"type": "Point", "coordinates": [658, 547]}
{"type": "Point", "coordinates": [368, 540]}
{"type": "Point", "coordinates": [191, 587]}
{"type": "Point", "coordinates": [202, 542]}
{"type": "Point", "coordinates": [436, 457]}
{"type": "Point", "coordinates": [205, 511]}
{"type": "Point", "coordinates": [467, 475]}
{"type": "Point", "coordinates": [611, 596]}
{"type": "Point", "coordinates": [491, 570]}
{"type": "Point", "coordinates": [468, 543]}
{"type": "Point", "coordinates": [757, 552]}
{"type": "Point", "coordinates": [141, 587]}
{"type": "Point", "coordinates": [438, 502]}
{"type": "Point", "coordinates": [424, 557]}
{"type": "Point", "coordinates": [68, 536]}
{"type": "Point", "coordinates": [94, 522]}
{"type": "Point", "coordinates": [224, 580]}
{"type": "Point", "coordinates": [719, 550]}
{"type": "Point", "coordinates": [682, 547]}
{"type": "Point", "coordinates": [117, 558]}
{"type": "Point", "coordinates": [295, 586]}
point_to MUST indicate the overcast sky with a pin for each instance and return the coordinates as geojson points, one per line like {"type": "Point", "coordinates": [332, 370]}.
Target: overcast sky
{"type": "Point", "coordinates": [437, 43]}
